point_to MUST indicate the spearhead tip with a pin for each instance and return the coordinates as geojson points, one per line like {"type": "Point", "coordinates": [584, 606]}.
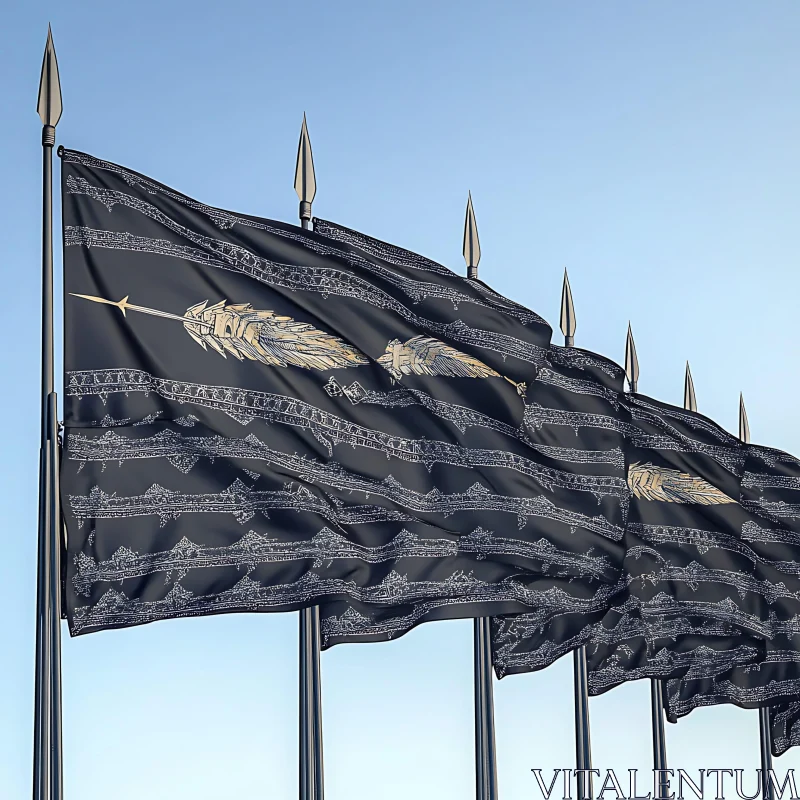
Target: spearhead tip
{"type": "Point", "coordinates": [689, 398]}
{"type": "Point", "coordinates": [744, 427]}
{"type": "Point", "coordinates": [49, 105]}
{"type": "Point", "coordinates": [631, 361]}
{"type": "Point", "coordinates": [568, 321]}
{"type": "Point", "coordinates": [305, 182]}
{"type": "Point", "coordinates": [472, 245]}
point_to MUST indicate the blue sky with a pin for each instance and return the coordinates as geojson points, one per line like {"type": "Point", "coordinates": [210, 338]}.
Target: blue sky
{"type": "Point", "coordinates": [649, 147]}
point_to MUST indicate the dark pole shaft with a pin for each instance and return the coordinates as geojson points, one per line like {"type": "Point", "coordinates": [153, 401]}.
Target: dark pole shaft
{"type": "Point", "coordinates": [48, 140]}
{"type": "Point", "coordinates": [485, 748]}
{"type": "Point", "coordinates": [55, 533]}
{"type": "Point", "coordinates": [583, 747]}
{"type": "Point", "coordinates": [765, 736]}
{"type": "Point", "coordinates": [659, 735]}
{"type": "Point", "coordinates": [478, 684]}
{"type": "Point", "coordinates": [305, 718]}
{"type": "Point", "coordinates": [41, 686]}
{"type": "Point", "coordinates": [42, 762]}
{"type": "Point", "coordinates": [316, 687]}
{"type": "Point", "coordinates": [311, 764]}
{"type": "Point", "coordinates": [47, 779]}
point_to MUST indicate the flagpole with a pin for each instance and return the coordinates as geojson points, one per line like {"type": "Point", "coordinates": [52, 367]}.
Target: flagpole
{"type": "Point", "coordinates": [310, 711]}
{"type": "Point", "coordinates": [583, 747]}
{"type": "Point", "coordinates": [485, 746]}
{"type": "Point", "coordinates": [765, 740]}
{"type": "Point", "coordinates": [764, 726]}
{"type": "Point", "coordinates": [656, 686]}
{"type": "Point", "coordinates": [47, 769]}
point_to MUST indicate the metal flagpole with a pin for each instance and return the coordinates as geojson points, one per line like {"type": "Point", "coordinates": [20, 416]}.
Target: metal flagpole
{"type": "Point", "coordinates": [311, 770]}
{"type": "Point", "coordinates": [485, 749]}
{"type": "Point", "coordinates": [47, 772]}
{"type": "Point", "coordinates": [765, 729]}
{"type": "Point", "coordinates": [656, 686]}
{"type": "Point", "coordinates": [583, 748]}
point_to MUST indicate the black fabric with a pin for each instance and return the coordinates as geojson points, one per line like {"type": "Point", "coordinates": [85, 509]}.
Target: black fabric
{"type": "Point", "coordinates": [785, 725]}
{"type": "Point", "coordinates": [209, 468]}
{"type": "Point", "coordinates": [294, 418]}
{"type": "Point", "coordinates": [704, 592]}
{"type": "Point", "coordinates": [770, 488]}
{"type": "Point", "coordinates": [697, 595]}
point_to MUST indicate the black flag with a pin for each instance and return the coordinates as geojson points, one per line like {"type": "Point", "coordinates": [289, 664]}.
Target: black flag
{"type": "Point", "coordinates": [697, 592]}
{"type": "Point", "coordinates": [571, 382]}
{"type": "Point", "coordinates": [709, 595]}
{"type": "Point", "coordinates": [771, 491]}
{"type": "Point", "coordinates": [260, 418]}
{"type": "Point", "coordinates": [785, 719]}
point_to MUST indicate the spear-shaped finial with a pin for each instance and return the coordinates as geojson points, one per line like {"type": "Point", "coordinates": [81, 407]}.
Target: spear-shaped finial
{"type": "Point", "coordinates": [689, 399]}
{"type": "Point", "coordinates": [49, 105]}
{"type": "Point", "coordinates": [472, 245]}
{"type": "Point", "coordinates": [305, 182]}
{"type": "Point", "coordinates": [744, 427]}
{"type": "Point", "coordinates": [568, 323]}
{"type": "Point", "coordinates": [631, 361]}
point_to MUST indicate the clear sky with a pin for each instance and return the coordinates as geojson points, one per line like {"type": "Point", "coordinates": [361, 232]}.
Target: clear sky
{"type": "Point", "coordinates": [652, 148]}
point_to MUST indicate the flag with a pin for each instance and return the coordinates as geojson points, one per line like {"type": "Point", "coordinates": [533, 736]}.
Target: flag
{"type": "Point", "coordinates": [696, 598]}
{"type": "Point", "coordinates": [587, 374]}
{"type": "Point", "coordinates": [705, 592]}
{"type": "Point", "coordinates": [785, 719]}
{"type": "Point", "coordinates": [261, 418]}
{"type": "Point", "coordinates": [772, 680]}
{"type": "Point", "coordinates": [771, 491]}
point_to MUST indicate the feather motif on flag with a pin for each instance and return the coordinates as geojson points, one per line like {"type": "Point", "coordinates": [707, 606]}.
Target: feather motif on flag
{"type": "Point", "coordinates": [649, 482]}
{"type": "Point", "coordinates": [423, 355]}
{"type": "Point", "coordinates": [259, 335]}
{"type": "Point", "coordinates": [265, 336]}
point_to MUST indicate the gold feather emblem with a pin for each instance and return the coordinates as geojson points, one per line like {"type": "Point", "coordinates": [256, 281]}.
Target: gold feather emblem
{"type": "Point", "coordinates": [258, 335]}
{"type": "Point", "coordinates": [422, 355]}
{"type": "Point", "coordinates": [650, 482]}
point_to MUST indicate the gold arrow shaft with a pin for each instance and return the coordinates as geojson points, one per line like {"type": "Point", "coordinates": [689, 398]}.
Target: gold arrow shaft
{"type": "Point", "coordinates": [124, 306]}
